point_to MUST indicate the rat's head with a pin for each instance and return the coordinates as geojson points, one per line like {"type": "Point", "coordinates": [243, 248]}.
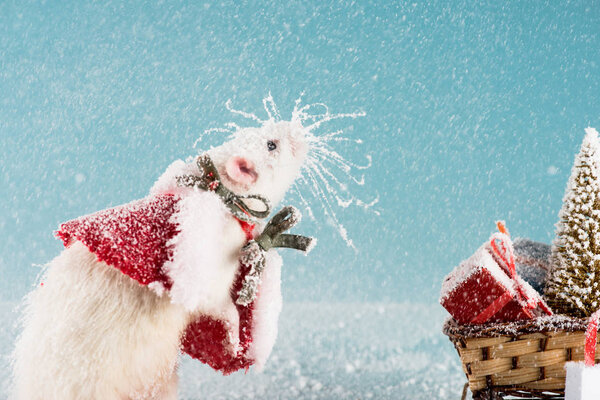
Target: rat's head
{"type": "Point", "coordinates": [264, 160]}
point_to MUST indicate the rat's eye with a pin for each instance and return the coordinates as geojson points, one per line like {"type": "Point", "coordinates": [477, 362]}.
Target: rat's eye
{"type": "Point", "coordinates": [271, 145]}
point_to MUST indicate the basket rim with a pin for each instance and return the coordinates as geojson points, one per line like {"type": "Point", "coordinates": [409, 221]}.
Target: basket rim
{"type": "Point", "coordinates": [545, 324]}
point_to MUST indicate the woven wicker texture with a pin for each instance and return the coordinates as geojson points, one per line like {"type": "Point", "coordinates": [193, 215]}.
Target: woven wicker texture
{"type": "Point", "coordinates": [527, 364]}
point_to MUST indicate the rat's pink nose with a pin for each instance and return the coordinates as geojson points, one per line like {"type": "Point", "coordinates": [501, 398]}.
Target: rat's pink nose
{"type": "Point", "coordinates": [241, 170]}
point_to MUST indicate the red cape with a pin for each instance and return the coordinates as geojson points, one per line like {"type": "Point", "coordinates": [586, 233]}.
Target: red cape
{"type": "Point", "coordinates": [134, 238]}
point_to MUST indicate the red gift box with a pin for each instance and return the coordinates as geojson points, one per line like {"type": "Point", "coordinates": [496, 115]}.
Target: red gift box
{"type": "Point", "coordinates": [486, 287]}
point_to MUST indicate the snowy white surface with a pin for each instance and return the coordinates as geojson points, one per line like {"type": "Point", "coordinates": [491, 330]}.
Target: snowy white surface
{"type": "Point", "coordinates": [582, 382]}
{"type": "Point", "coordinates": [326, 351]}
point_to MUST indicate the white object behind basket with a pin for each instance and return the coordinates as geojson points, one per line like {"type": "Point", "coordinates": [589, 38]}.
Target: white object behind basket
{"type": "Point", "coordinates": [583, 382]}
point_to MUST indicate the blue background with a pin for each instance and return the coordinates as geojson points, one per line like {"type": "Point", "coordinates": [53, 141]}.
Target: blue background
{"type": "Point", "coordinates": [474, 113]}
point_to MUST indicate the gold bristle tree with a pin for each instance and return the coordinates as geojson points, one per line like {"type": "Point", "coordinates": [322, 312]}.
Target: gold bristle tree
{"type": "Point", "coordinates": [573, 286]}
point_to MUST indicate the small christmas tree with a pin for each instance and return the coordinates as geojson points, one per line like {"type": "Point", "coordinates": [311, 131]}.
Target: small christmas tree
{"type": "Point", "coordinates": [573, 286]}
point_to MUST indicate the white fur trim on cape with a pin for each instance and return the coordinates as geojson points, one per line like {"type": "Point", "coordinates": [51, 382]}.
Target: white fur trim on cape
{"type": "Point", "coordinates": [266, 310]}
{"type": "Point", "coordinates": [198, 283]}
{"type": "Point", "coordinates": [196, 266]}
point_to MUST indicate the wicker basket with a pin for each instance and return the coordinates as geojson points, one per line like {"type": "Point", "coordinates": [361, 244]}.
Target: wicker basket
{"type": "Point", "coordinates": [521, 359]}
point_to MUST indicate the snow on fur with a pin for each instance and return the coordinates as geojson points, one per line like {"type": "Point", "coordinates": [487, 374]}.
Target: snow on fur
{"type": "Point", "coordinates": [267, 307]}
{"type": "Point", "coordinates": [93, 332]}
{"type": "Point", "coordinates": [132, 237]}
{"type": "Point", "coordinates": [192, 270]}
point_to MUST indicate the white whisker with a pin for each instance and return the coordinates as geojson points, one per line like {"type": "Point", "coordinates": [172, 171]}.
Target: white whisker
{"type": "Point", "coordinates": [328, 136]}
{"type": "Point", "coordinates": [326, 152]}
{"type": "Point", "coordinates": [323, 173]}
{"type": "Point", "coordinates": [296, 105]}
{"type": "Point", "coordinates": [304, 202]}
{"type": "Point", "coordinates": [328, 209]}
{"type": "Point", "coordinates": [344, 203]}
{"type": "Point", "coordinates": [303, 112]}
{"type": "Point", "coordinates": [338, 161]}
{"type": "Point", "coordinates": [367, 206]}
{"type": "Point", "coordinates": [210, 131]}
{"type": "Point", "coordinates": [332, 137]}
{"type": "Point", "coordinates": [271, 108]}
{"type": "Point", "coordinates": [242, 113]}
{"type": "Point", "coordinates": [232, 125]}
{"type": "Point", "coordinates": [326, 176]}
{"type": "Point", "coordinates": [331, 117]}
{"type": "Point", "coordinates": [335, 179]}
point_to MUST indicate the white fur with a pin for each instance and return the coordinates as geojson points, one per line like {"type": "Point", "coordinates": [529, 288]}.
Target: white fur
{"type": "Point", "coordinates": [93, 333]}
{"type": "Point", "coordinates": [88, 311]}
{"type": "Point", "coordinates": [90, 332]}
{"type": "Point", "coordinates": [266, 310]}
{"type": "Point", "coordinates": [277, 169]}
{"type": "Point", "coordinates": [205, 225]}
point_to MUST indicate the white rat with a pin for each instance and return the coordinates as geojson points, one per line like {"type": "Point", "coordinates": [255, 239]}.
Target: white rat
{"type": "Point", "coordinates": [91, 332]}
